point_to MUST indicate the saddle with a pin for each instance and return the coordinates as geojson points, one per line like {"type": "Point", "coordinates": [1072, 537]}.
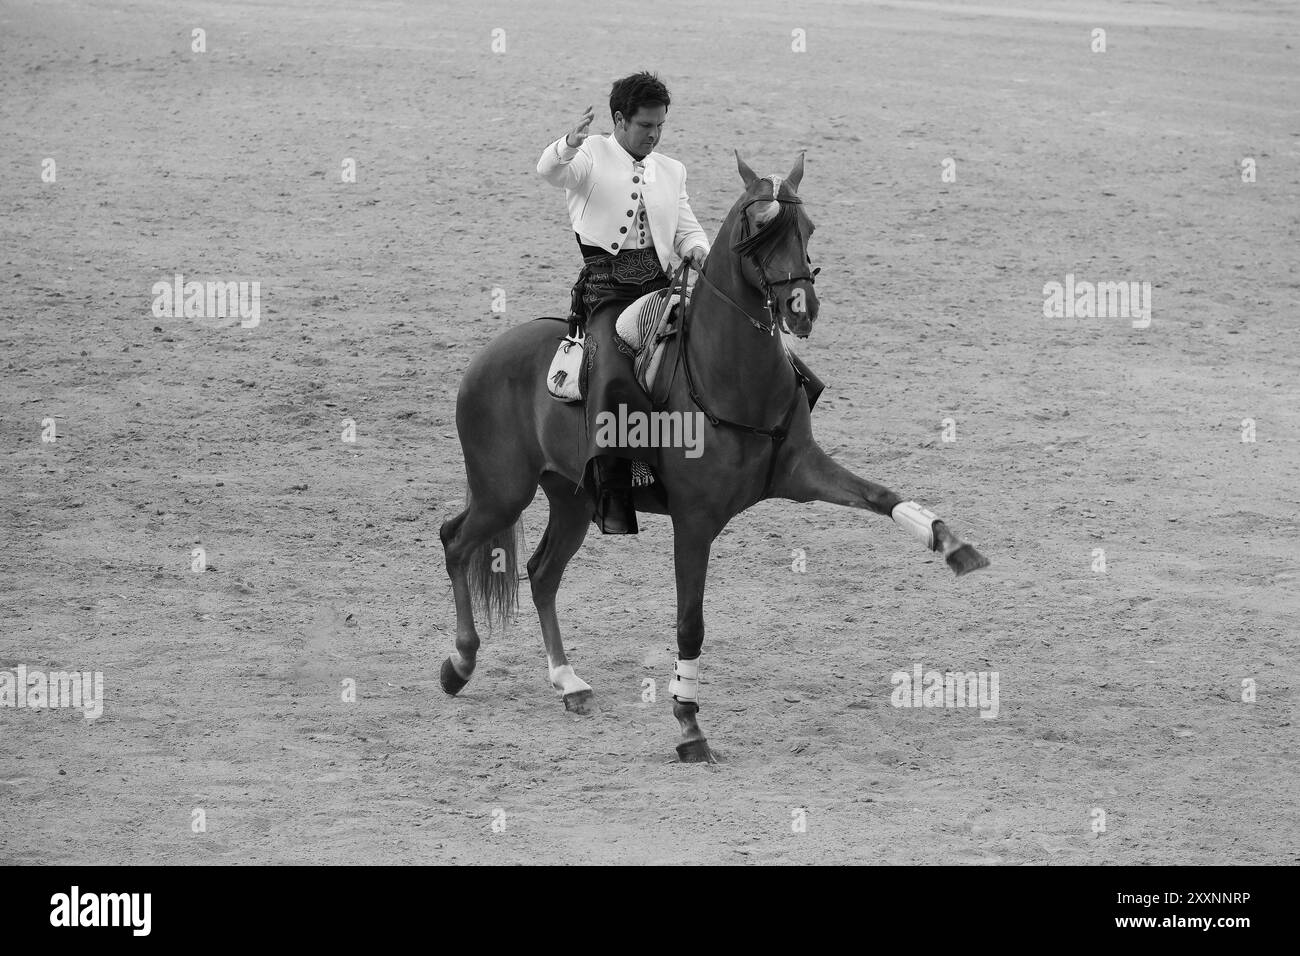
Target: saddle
{"type": "Point", "coordinates": [645, 327]}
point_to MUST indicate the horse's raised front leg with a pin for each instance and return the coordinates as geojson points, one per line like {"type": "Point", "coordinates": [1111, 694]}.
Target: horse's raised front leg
{"type": "Point", "coordinates": [692, 539]}
{"type": "Point", "coordinates": [816, 477]}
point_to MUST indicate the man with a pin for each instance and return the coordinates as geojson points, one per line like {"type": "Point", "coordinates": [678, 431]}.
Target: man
{"type": "Point", "coordinates": [630, 214]}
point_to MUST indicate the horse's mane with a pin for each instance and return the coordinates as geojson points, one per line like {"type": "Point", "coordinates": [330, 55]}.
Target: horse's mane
{"type": "Point", "coordinates": [772, 230]}
{"type": "Point", "coordinates": [768, 233]}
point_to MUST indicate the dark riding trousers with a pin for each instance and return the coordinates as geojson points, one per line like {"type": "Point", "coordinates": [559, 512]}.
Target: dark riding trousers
{"type": "Point", "coordinates": [606, 286]}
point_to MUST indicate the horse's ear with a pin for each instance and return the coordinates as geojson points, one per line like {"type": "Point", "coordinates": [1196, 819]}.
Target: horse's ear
{"type": "Point", "coordinates": [746, 173]}
{"type": "Point", "coordinates": [796, 172]}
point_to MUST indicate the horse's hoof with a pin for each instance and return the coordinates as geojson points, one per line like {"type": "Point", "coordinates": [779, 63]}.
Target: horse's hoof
{"type": "Point", "coordinates": [965, 560]}
{"type": "Point", "coordinates": [452, 682]}
{"type": "Point", "coordinates": [695, 751]}
{"type": "Point", "coordinates": [580, 702]}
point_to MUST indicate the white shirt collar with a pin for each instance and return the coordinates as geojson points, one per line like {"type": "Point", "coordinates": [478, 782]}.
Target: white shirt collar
{"type": "Point", "coordinates": [631, 159]}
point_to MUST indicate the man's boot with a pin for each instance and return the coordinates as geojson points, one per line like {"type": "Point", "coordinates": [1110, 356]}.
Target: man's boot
{"type": "Point", "coordinates": [614, 511]}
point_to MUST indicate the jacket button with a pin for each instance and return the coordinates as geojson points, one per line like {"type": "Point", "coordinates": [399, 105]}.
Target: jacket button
{"type": "Point", "coordinates": [634, 195]}
{"type": "Point", "coordinates": [636, 179]}
{"type": "Point", "coordinates": [615, 245]}
{"type": "Point", "coordinates": [629, 213]}
{"type": "Point", "coordinates": [622, 228]}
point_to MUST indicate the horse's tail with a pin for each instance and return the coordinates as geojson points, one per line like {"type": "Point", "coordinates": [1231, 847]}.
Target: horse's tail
{"type": "Point", "coordinates": [493, 572]}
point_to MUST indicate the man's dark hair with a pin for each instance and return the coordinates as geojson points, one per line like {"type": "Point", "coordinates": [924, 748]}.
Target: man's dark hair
{"type": "Point", "coordinates": [633, 92]}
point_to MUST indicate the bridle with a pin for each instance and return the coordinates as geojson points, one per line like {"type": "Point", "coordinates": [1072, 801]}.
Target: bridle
{"type": "Point", "coordinates": [752, 246]}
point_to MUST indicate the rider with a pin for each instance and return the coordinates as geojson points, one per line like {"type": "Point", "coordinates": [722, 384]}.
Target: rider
{"type": "Point", "coordinates": [630, 214]}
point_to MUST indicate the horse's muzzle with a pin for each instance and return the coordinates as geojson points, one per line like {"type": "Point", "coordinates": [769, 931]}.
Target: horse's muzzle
{"type": "Point", "coordinates": [799, 309]}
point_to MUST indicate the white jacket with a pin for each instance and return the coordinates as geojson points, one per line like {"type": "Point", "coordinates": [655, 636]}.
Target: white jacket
{"type": "Point", "coordinates": [598, 183]}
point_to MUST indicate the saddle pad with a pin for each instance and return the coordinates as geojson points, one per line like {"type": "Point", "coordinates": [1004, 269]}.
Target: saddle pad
{"type": "Point", "coordinates": [638, 322]}
{"type": "Point", "coordinates": [645, 327]}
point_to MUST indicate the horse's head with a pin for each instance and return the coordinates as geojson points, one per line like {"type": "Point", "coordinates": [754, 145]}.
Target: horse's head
{"type": "Point", "coordinates": [770, 234]}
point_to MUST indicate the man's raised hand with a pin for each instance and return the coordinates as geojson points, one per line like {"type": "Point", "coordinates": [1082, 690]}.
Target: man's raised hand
{"type": "Point", "coordinates": [579, 133]}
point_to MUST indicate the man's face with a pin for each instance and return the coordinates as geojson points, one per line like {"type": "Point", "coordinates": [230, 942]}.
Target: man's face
{"type": "Point", "coordinates": [640, 134]}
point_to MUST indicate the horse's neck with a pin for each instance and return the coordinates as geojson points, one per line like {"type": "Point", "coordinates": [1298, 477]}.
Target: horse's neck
{"type": "Point", "coordinates": [735, 357]}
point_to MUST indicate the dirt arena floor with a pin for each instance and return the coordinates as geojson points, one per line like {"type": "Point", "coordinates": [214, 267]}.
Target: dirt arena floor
{"type": "Point", "coordinates": [1120, 692]}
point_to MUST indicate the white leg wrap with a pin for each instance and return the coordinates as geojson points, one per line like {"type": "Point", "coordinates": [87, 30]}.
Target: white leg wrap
{"type": "Point", "coordinates": [685, 685]}
{"type": "Point", "coordinates": [919, 521]}
{"type": "Point", "coordinates": [565, 681]}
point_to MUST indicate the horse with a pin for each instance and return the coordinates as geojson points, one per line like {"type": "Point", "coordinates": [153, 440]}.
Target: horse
{"type": "Point", "coordinates": [728, 364]}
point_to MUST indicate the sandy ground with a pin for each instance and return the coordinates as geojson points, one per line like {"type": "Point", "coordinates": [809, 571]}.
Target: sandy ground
{"type": "Point", "coordinates": [1118, 691]}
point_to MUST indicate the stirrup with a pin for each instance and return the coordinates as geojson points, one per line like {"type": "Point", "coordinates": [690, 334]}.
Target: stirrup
{"type": "Point", "coordinates": [615, 514]}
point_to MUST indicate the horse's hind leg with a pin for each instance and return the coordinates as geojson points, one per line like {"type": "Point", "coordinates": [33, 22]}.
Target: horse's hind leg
{"type": "Point", "coordinates": [816, 477]}
{"type": "Point", "coordinates": [487, 521]}
{"type": "Point", "coordinates": [565, 531]}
